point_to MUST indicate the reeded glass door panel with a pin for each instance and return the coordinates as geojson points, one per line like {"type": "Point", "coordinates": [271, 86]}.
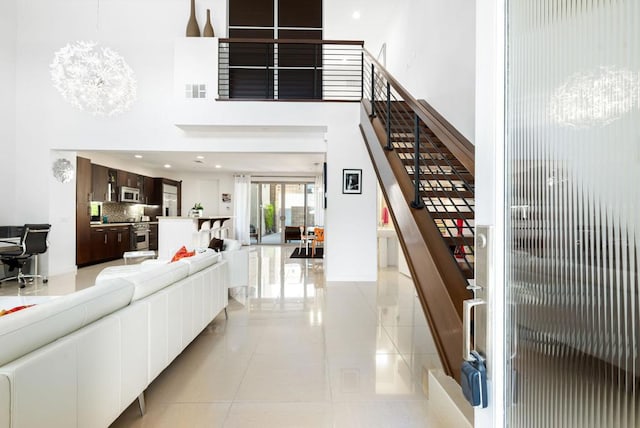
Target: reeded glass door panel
{"type": "Point", "coordinates": [572, 187]}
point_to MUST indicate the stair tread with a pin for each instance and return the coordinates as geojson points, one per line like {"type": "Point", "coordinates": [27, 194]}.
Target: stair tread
{"type": "Point", "coordinates": [455, 194]}
{"type": "Point", "coordinates": [466, 177]}
{"type": "Point", "coordinates": [449, 215]}
{"type": "Point", "coordinates": [459, 240]}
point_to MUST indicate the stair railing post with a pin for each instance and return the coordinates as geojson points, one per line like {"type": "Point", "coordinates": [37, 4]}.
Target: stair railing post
{"type": "Point", "coordinates": [417, 199]}
{"type": "Point", "coordinates": [373, 90]}
{"type": "Point", "coordinates": [389, 145]}
{"type": "Point", "coordinates": [362, 74]}
{"type": "Point", "coordinates": [315, 71]}
{"type": "Point", "coordinates": [266, 86]}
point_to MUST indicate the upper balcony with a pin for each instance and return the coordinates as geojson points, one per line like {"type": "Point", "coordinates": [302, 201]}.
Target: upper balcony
{"type": "Point", "coordinates": [294, 70]}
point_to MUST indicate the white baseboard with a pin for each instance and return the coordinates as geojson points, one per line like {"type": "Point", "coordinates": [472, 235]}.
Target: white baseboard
{"type": "Point", "coordinates": [447, 403]}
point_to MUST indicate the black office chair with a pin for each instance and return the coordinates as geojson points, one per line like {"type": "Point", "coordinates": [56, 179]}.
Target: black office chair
{"type": "Point", "coordinates": [32, 242]}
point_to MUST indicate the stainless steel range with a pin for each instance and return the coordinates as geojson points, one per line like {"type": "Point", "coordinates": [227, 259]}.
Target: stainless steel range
{"type": "Point", "coordinates": [140, 236]}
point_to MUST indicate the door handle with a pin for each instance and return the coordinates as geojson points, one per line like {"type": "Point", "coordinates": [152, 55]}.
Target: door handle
{"type": "Point", "coordinates": [468, 306]}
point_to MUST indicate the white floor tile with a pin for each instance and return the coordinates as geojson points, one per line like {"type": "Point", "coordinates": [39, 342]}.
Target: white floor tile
{"type": "Point", "coordinates": [295, 352]}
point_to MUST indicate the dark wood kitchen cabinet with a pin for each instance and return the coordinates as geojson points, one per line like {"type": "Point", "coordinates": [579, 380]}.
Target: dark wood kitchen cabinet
{"type": "Point", "coordinates": [99, 244]}
{"type": "Point", "coordinates": [83, 211]}
{"type": "Point", "coordinates": [147, 191]}
{"type": "Point", "coordinates": [121, 238]}
{"type": "Point", "coordinates": [153, 236]}
{"type": "Point", "coordinates": [109, 242]}
{"type": "Point", "coordinates": [103, 183]}
{"type": "Point", "coordinates": [130, 179]}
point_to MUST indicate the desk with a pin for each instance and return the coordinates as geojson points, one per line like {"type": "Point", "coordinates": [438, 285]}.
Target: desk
{"type": "Point", "coordinates": [9, 247]}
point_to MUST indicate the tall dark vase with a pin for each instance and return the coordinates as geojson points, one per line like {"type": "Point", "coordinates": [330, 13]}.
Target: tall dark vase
{"type": "Point", "coordinates": [192, 26]}
{"type": "Point", "coordinates": [208, 28]}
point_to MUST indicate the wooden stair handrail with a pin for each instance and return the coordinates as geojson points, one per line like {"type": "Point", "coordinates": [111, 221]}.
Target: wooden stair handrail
{"type": "Point", "coordinates": [455, 142]}
{"type": "Point", "coordinates": [439, 303]}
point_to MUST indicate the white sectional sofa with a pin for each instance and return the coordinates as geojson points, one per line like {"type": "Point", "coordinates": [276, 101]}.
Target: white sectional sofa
{"type": "Point", "coordinates": [79, 360]}
{"type": "Point", "coordinates": [238, 258]}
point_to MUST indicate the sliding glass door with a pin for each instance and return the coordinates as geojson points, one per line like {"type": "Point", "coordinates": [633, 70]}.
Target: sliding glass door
{"type": "Point", "coordinates": [279, 209]}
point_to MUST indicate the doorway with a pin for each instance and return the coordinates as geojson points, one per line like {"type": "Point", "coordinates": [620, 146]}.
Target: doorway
{"type": "Point", "coordinates": [279, 209]}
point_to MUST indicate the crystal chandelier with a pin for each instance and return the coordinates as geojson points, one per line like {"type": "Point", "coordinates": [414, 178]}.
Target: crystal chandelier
{"type": "Point", "coordinates": [92, 78]}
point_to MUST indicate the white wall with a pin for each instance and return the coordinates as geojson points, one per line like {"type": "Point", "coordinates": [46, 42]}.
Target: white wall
{"type": "Point", "coordinates": [62, 217]}
{"type": "Point", "coordinates": [7, 110]}
{"type": "Point", "coordinates": [144, 33]}
{"type": "Point", "coordinates": [430, 48]}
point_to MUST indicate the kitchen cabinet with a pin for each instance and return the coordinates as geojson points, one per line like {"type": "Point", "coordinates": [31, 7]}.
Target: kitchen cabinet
{"type": "Point", "coordinates": [103, 183]}
{"type": "Point", "coordinates": [129, 179]}
{"type": "Point", "coordinates": [99, 243]}
{"type": "Point", "coordinates": [153, 236]}
{"type": "Point", "coordinates": [109, 242]}
{"type": "Point", "coordinates": [147, 191]}
{"type": "Point", "coordinates": [121, 237]}
{"type": "Point", "coordinates": [83, 210]}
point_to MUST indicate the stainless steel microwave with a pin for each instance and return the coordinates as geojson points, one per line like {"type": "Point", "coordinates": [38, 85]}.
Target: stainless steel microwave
{"type": "Point", "coordinates": [129, 194]}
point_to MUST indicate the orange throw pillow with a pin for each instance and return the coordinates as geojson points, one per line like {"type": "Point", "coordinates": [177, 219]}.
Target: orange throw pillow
{"type": "Point", "coordinates": [182, 253]}
{"type": "Point", "coordinates": [12, 310]}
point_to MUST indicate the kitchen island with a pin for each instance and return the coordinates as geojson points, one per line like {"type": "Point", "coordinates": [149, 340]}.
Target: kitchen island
{"type": "Point", "coordinates": [174, 232]}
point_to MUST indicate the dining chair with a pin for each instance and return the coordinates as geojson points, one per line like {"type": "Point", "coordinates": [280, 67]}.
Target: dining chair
{"type": "Point", "coordinates": [304, 240]}
{"type": "Point", "coordinates": [318, 238]}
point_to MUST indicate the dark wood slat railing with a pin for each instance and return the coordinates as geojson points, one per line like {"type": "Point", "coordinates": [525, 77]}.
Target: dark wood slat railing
{"type": "Point", "coordinates": [289, 69]}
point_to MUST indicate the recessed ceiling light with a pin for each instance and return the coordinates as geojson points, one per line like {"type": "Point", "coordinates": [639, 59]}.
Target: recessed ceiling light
{"type": "Point", "coordinates": [166, 165]}
{"type": "Point", "coordinates": [199, 157]}
{"type": "Point", "coordinates": [356, 14]}
{"type": "Point", "coordinates": [137, 156]}
{"type": "Point", "coordinates": [218, 166]}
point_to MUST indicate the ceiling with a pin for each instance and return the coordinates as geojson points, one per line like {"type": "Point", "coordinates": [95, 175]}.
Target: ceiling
{"type": "Point", "coordinates": [305, 164]}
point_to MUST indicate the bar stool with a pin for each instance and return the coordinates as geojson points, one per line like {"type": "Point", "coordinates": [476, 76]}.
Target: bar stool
{"type": "Point", "coordinates": [204, 234]}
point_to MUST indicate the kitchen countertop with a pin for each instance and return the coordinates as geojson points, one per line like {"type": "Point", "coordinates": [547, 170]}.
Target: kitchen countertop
{"type": "Point", "coordinates": [125, 223]}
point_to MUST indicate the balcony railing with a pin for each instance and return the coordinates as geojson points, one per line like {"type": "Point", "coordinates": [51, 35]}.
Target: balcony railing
{"type": "Point", "coordinates": [290, 69]}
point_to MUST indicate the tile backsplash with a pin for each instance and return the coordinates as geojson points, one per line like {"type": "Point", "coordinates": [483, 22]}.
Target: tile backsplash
{"type": "Point", "coordinates": [118, 212]}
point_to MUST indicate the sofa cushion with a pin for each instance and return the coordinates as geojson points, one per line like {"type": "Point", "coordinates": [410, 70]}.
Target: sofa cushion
{"type": "Point", "coordinates": [118, 272]}
{"type": "Point", "coordinates": [149, 281]}
{"type": "Point", "coordinates": [201, 260]}
{"type": "Point", "coordinates": [231, 245]}
{"type": "Point", "coordinates": [32, 328]}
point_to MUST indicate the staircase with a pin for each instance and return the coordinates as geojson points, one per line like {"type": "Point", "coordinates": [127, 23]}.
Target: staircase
{"type": "Point", "coordinates": [446, 187]}
{"type": "Point", "coordinates": [426, 171]}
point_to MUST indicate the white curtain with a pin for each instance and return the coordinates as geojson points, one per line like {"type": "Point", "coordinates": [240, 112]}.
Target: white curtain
{"type": "Point", "coordinates": [242, 207]}
{"type": "Point", "coordinates": [319, 192]}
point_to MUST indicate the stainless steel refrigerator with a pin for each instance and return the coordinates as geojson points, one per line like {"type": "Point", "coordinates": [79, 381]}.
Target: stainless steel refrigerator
{"type": "Point", "coordinates": [169, 200]}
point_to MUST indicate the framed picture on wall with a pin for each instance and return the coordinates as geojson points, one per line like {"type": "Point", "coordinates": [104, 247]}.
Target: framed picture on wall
{"type": "Point", "coordinates": [352, 181]}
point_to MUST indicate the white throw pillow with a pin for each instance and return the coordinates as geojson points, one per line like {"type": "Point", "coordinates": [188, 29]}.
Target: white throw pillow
{"type": "Point", "coordinates": [231, 245]}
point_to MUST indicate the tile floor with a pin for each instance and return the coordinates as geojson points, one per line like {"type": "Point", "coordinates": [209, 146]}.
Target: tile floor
{"type": "Point", "coordinates": [295, 352]}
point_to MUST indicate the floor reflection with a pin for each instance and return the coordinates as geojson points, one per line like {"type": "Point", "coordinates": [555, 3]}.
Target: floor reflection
{"type": "Point", "coordinates": [295, 351]}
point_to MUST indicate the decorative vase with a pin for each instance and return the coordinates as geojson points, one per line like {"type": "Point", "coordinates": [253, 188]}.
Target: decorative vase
{"type": "Point", "coordinates": [208, 28]}
{"type": "Point", "coordinates": [192, 26]}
